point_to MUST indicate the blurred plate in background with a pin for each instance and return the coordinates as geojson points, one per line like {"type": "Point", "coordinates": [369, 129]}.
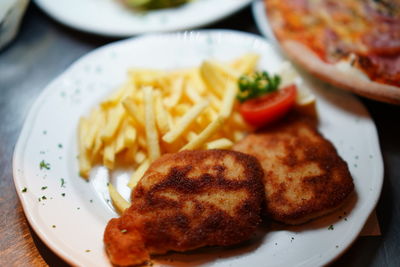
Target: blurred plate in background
{"type": "Point", "coordinates": [111, 18]}
{"type": "Point", "coordinates": [11, 13]}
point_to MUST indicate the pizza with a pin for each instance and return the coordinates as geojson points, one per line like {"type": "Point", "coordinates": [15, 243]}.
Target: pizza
{"type": "Point", "coordinates": [354, 44]}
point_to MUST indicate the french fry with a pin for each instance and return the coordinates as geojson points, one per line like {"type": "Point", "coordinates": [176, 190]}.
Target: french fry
{"type": "Point", "coordinates": [229, 100]}
{"type": "Point", "coordinates": [119, 142]}
{"type": "Point", "coordinates": [125, 138]}
{"type": "Point", "coordinates": [90, 135]}
{"type": "Point", "coordinates": [138, 174]}
{"type": "Point", "coordinates": [113, 99]}
{"type": "Point", "coordinates": [214, 79]}
{"type": "Point", "coordinates": [145, 77]}
{"type": "Point", "coordinates": [184, 123]}
{"type": "Point", "coordinates": [137, 98]}
{"type": "Point", "coordinates": [161, 114]}
{"type": "Point", "coordinates": [142, 142]}
{"type": "Point", "coordinates": [190, 136]}
{"type": "Point", "coordinates": [246, 64]}
{"type": "Point", "coordinates": [222, 143]}
{"type": "Point", "coordinates": [238, 135]}
{"type": "Point", "coordinates": [84, 162]}
{"type": "Point", "coordinates": [215, 102]}
{"type": "Point", "coordinates": [150, 125]}
{"type": "Point", "coordinates": [208, 132]}
{"type": "Point", "coordinates": [98, 142]}
{"type": "Point", "coordinates": [193, 94]}
{"type": "Point", "coordinates": [211, 114]}
{"type": "Point", "coordinates": [177, 89]}
{"type": "Point", "coordinates": [196, 81]}
{"type": "Point", "coordinates": [120, 203]}
{"type": "Point", "coordinates": [109, 156]}
{"type": "Point", "coordinates": [238, 120]}
{"type": "Point", "coordinates": [140, 156]}
{"type": "Point", "coordinates": [180, 109]}
{"type": "Point", "coordinates": [126, 90]}
{"type": "Point", "coordinates": [226, 71]}
{"type": "Point", "coordinates": [114, 119]}
{"type": "Point", "coordinates": [130, 135]}
{"type": "Point", "coordinates": [127, 156]}
{"type": "Point", "coordinates": [135, 112]}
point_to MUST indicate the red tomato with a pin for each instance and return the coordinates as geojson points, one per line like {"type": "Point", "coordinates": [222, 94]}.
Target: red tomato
{"type": "Point", "coordinates": [270, 107]}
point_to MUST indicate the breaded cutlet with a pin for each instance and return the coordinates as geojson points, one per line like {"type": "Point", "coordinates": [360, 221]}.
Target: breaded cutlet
{"type": "Point", "coordinates": [304, 177]}
{"type": "Point", "coordinates": [188, 200]}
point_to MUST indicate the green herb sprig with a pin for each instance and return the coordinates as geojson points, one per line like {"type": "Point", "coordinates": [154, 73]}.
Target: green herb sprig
{"type": "Point", "coordinates": [256, 85]}
{"type": "Point", "coordinates": [44, 165]}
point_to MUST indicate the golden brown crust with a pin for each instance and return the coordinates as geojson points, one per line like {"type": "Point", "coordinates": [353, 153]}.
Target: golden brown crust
{"type": "Point", "coordinates": [304, 177]}
{"type": "Point", "coordinates": [305, 57]}
{"type": "Point", "coordinates": [124, 245]}
{"type": "Point", "coordinates": [193, 199]}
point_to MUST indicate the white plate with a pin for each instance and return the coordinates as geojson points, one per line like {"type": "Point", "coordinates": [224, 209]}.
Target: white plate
{"type": "Point", "coordinates": [110, 18]}
{"type": "Point", "coordinates": [260, 16]}
{"type": "Point", "coordinates": [79, 217]}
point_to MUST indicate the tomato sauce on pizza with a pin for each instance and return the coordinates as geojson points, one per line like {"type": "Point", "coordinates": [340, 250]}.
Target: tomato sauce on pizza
{"type": "Point", "coordinates": [365, 32]}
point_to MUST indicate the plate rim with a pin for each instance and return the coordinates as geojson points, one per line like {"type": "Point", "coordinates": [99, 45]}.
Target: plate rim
{"type": "Point", "coordinates": [123, 34]}
{"type": "Point", "coordinates": [260, 18]}
{"type": "Point", "coordinates": [35, 108]}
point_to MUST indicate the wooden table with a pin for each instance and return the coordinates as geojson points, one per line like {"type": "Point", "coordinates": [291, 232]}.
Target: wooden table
{"type": "Point", "coordinates": [44, 49]}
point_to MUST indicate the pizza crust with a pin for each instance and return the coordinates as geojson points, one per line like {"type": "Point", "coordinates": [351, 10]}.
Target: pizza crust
{"type": "Point", "coordinates": [358, 84]}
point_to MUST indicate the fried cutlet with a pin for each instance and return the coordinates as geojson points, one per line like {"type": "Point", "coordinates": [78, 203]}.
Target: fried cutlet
{"type": "Point", "coordinates": [304, 177]}
{"type": "Point", "coordinates": [188, 200]}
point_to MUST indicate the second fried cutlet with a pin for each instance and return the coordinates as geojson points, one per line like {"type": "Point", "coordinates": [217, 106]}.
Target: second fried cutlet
{"type": "Point", "coordinates": [304, 176]}
{"type": "Point", "coordinates": [189, 200]}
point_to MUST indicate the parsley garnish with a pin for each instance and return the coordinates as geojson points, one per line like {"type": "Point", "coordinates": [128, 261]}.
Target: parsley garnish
{"type": "Point", "coordinates": [63, 194]}
{"type": "Point", "coordinates": [53, 226]}
{"type": "Point", "coordinates": [24, 190]}
{"type": "Point", "coordinates": [44, 197]}
{"type": "Point", "coordinates": [44, 187]}
{"type": "Point", "coordinates": [44, 165]}
{"type": "Point", "coordinates": [256, 85]}
{"type": "Point", "coordinates": [330, 227]}
{"type": "Point", "coordinates": [60, 145]}
{"type": "Point", "coordinates": [88, 250]}
{"type": "Point", "coordinates": [63, 182]}
{"type": "Point", "coordinates": [124, 231]}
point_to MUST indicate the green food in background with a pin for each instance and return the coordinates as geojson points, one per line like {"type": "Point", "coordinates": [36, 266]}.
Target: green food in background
{"type": "Point", "coordinates": [154, 4]}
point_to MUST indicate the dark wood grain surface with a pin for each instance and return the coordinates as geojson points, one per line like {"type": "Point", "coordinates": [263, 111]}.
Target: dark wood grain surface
{"type": "Point", "coordinates": [44, 49]}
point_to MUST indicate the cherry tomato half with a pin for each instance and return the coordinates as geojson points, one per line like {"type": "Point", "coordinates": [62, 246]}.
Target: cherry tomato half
{"type": "Point", "coordinates": [270, 107]}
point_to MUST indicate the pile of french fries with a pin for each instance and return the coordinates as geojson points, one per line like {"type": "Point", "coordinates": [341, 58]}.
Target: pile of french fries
{"type": "Point", "coordinates": [157, 112]}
